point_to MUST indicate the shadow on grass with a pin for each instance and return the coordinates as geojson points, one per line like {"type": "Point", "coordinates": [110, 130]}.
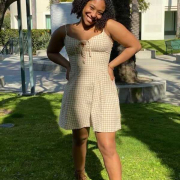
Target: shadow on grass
{"type": "Point", "coordinates": [155, 47]}
{"type": "Point", "coordinates": [158, 127]}
{"type": "Point", "coordinates": [36, 148]}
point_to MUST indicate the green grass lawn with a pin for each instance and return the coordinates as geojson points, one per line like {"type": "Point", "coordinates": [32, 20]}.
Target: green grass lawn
{"type": "Point", "coordinates": [36, 148]}
{"type": "Point", "coordinates": [158, 45]}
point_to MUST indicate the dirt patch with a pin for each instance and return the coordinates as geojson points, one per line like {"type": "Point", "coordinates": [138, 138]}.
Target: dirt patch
{"type": "Point", "coordinates": [5, 112]}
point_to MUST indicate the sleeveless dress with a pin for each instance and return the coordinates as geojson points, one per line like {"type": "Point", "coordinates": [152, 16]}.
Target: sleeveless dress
{"type": "Point", "coordinates": [90, 97]}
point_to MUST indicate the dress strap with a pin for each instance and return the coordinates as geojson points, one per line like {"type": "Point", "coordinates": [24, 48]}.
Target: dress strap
{"type": "Point", "coordinates": [66, 29]}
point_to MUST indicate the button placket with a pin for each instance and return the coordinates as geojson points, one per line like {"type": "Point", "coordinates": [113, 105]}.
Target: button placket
{"type": "Point", "coordinates": [82, 46]}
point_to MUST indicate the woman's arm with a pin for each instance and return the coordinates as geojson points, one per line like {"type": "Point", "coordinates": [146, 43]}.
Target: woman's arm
{"type": "Point", "coordinates": [124, 37]}
{"type": "Point", "coordinates": [55, 45]}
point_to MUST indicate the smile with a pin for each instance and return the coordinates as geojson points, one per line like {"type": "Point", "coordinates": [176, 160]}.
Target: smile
{"type": "Point", "coordinates": [89, 19]}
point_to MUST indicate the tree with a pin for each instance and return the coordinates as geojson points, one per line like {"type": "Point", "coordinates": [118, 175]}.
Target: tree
{"type": "Point", "coordinates": [4, 4]}
{"type": "Point", "coordinates": [135, 18]}
{"type": "Point", "coordinates": [129, 17]}
{"type": "Point", "coordinates": [137, 5]}
{"type": "Point", "coordinates": [178, 19]}
{"type": "Point", "coordinates": [126, 71]}
{"type": "Point", "coordinates": [143, 5]}
{"type": "Point", "coordinates": [7, 20]}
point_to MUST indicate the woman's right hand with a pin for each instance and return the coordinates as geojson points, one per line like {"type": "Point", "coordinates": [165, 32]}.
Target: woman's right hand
{"type": "Point", "coordinates": [67, 72]}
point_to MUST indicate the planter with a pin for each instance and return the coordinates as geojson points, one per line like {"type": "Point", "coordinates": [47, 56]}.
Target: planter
{"type": "Point", "coordinates": [41, 53]}
{"type": "Point", "coordinates": [44, 64]}
{"type": "Point", "coordinates": [146, 54]}
{"type": "Point", "coordinates": [1, 57]}
{"type": "Point", "coordinates": [142, 92]}
{"type": "Point", "coordinates": [2, 82]}
{"type": "Point", "coordinates": [178, 58]}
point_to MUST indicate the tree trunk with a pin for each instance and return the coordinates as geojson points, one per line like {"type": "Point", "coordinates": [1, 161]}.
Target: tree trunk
{"type": "Point", "coordinates": [125, 72]}
{"type": "Point", "coordinates": [178, 19]}
{"type": "Point", "coordinates": [135, 18]}
{"type": "Point", "coordinates": [4, 4]}
{"type": "Point", "coordinates": [34, 16]}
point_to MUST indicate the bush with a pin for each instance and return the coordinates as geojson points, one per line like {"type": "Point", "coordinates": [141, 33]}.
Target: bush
{"type": "Point", "coordinates": [40, 37]}
{"type": "Point", "coordinates": [7, 21]}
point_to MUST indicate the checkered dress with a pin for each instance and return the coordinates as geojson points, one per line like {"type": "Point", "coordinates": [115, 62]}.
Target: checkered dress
{"type": "Point", "coordinates": [90, 96]}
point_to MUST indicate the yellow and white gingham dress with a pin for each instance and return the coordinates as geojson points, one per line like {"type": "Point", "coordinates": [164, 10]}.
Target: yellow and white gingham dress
{"type": "Point", "coordinates": [90, 96]}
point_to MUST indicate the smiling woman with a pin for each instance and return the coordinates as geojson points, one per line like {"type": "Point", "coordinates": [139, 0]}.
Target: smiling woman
{"type": "Point", "coordinates": [90, 97]}
{"type": "Point", "coordinates": [97, 12]}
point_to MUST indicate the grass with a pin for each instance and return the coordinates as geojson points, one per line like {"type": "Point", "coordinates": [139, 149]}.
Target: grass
{"type": "Point", "coordinates": [36, 148]}
{"type": "Point", "coordinates": [158, 45]}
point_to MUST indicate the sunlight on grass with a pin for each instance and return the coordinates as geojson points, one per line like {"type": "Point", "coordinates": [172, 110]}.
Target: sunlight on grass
{"type": "Point", "coordinates": [158, 45]}
{"type": "Point", "coordinates": [36, 148]}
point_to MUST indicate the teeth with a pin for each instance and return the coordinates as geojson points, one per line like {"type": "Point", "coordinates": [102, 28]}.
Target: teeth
{"type": "Point", "coordinates": [89, 17]}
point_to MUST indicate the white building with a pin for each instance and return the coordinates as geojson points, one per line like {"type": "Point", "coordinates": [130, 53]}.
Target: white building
{"type": "Point", "coordinates": [157, 23]}
{"type": "Point", "coordinates": [43, 14]}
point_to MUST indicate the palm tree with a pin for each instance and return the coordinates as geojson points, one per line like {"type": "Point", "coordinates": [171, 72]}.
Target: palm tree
{"type": "Point", "coordinates": [126, 71]}
{"type": "Point", "coordinates": [135, 18]}
{"type": "Point", "coordinates": [178, 19]}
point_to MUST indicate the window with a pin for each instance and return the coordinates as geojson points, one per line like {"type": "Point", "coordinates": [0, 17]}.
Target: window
{"type": "Point", "coordinates": [170, 22]}
{"type": "Point", "coordinates": [48, 21]}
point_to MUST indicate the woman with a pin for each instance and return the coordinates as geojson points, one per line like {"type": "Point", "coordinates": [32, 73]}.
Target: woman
{"type": "Point", "coordinates": [90, 96]}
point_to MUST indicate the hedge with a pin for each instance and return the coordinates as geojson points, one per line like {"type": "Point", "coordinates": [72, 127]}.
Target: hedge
{"type": "Point", "coordinates": [40, 37]}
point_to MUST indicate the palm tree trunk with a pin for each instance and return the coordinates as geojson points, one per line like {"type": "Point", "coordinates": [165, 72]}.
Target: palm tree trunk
{"type": "Point", "coordinates": [125, 72]}
{"type": "Point", "coordinates": [135, 18]}
{"type": "Point", "coordinates": [34, 16]}
{"type": "Point", "coordinates": [178, 19]}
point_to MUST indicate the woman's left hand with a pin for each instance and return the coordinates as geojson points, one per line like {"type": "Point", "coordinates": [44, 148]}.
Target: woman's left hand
{"type": "Point", "coordinates": [111, 73]}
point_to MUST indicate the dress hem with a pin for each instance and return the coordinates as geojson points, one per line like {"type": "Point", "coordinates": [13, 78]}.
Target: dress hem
{"type": "Point", "coordinates": [119, 128]}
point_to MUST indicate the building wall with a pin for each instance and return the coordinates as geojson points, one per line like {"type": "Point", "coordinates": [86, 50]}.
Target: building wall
{"type": "Point", "coordinates": [42, 11]}
{"type": "Point", "coordinates": [61, 15]}
{"type": "Point", "coordinates": [170, 5]}
{"type": "Point", "coordinates": [153, 21]}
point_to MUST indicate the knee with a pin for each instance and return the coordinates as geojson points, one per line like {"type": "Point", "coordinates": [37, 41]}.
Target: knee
{"type": "Point", "coordinates": [107, 149]}
{"type": "Point", "coordinates": [78, 141]}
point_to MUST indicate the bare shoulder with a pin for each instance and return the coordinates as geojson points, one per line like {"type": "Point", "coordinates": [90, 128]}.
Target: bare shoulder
{"type": "Point", "coordinates": [59, 32]}
{"type": "Point", "coordinates": [111, 24]}
{"type": "Point", "coordinates": [57, 40]}
{"type": "Point", "coordinates": [121, 34]}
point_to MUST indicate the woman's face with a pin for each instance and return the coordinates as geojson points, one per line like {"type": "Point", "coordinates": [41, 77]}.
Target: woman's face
{"type": "Point", "coordinates": [93, 11]}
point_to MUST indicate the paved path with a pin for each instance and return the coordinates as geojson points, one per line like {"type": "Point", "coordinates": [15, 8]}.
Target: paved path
{"type": "Point", "coordinates": [163, 66]}
{"type": "Point", "coordinates": [44, 81]}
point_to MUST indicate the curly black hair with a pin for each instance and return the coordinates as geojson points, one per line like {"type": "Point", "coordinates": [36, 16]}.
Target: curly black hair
{"type": "Point", "coordinates": [109, 13]}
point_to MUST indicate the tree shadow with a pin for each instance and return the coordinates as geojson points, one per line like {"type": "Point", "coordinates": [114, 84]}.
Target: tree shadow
{"type": "Point", "coordinates": [155, 46]}
{"type": "Point", "coordinates": [36, 147]}
{"type": "Point", "coordinates": [159, 130]}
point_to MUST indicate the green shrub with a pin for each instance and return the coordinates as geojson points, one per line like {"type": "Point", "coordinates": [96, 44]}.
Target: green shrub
{"type": "Point", "coordinates": [7, 21]}
{"type": "Point", "coordinates": [40, 37]}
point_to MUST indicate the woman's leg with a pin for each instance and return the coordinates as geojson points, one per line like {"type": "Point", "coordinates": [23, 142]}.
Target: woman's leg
{"type": "Point", "coordinates": [80, 137]}
{"type": "Point", "coordinates": [107, 146]}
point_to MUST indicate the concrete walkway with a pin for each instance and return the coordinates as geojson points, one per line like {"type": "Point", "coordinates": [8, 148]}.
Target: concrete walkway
{"type": "Point", "coordinates": [163, 66]}
{"type": "Point", "coordinates": [44, 81]}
